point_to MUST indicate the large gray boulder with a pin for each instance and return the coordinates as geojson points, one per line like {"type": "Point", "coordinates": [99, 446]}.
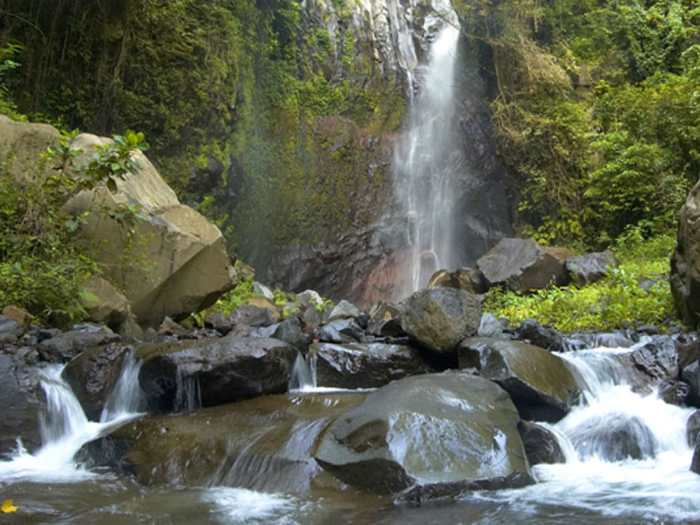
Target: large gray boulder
{"type": "Point", "coordinates": [691, 375]}
{"type": "Point", "coordinates": [541, 385]}
{"type": "Point", "coordinates": [210, 372]}
{"type": "Point", "coordinates": [358, 365]}
{"type": "Point", "coordinates": [591, 267]}
{"type": "Point", "coordinates": [22, 402]}
{"type": "Point", "coordinates": [522, 265]}
{"type": "Point", "coordinates": [66, 345]}
{"type": "Point", "coordinates": [685, 262]}
{"type": "Point", "coordinates": [440, 318]}
{"type": "Point", "coordinates": [614, 437]}
{"type": "Point", "coordinates": [449, 432]}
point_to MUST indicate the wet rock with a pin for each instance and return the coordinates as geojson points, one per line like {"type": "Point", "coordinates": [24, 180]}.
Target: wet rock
{"type": "Point", "coordinates": [685, 270]}
{"type": "Point", "coordinates": [263, 444]}
{"type": "Point", "coordinates": [657, 360]}
{"type": "Point", "coordinates": [93, 374]}
{"type": "Point", "coordinates": [21, 400]}
{"type": "Point", "coordinates": [344, 310]}
{"type": "Point", "coordinates": [451, 429]}
{"type": "Point", "coordinates": [491, 326]}
{"type": "Point", "coordinates": [541, 445]}
{"type": "Point", "coordinates": [614, 437]}
{"type": "Point", "coordinates": [691, 376]}
{"type": "Point", "coordinates": [440, 318]}
{"type": "Point", "coordinates": [468, 279]}
{"type": "Point", "coordinates": [543, 336]}
{"type": "Point", "coordinates": [364, 365]}
{"type": "Point", "coordinates": [688, 351]}
{"type": "Point", "coordinates": [693, 429]}
{"type": "Point", "coordinates": [695, 464]}
{"type": "Point", "coordinates": [215, 371]}
{"type": "Point", "coordinates": [590, 268]}
{"type": "Point", "coordinates": [385, 321]}
{"type": "Point", "coordinates": [219, 321]}
{"type": "Point", "coordinates": [541, 385]}
{"type": "Point", "coordinates": [66, 345]}
{"type": "Point", "coordinates": [341, 331]}
{"type": "Point", "coordinates": [291, 332]}
{"type": "Point", "coordinates": [582, 341]}
{"type": "Point", "coordinates": [674, 392]}
{"type": "Point", "coordinates": [10, 330]}
{"type": "Point", "coordinates": [522, 265]}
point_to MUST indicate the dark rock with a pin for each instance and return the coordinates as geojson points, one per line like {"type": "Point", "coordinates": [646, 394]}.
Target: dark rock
{"type": "Point", "coordinates": [522, 265]}
{"type": "Point", "coordinates": [541, 445]}
{"type": "Point", "coordinates": [220, 322]}
{"type": "Point", "coordinates": [695, 464]}
{"type": "Point", "coordinates": [691, 376]}
{"type": "Point", "coordinates": [467, 279]}
{"type": "Point", "coordinates": [290, 331]}
{"type": "Point", "coordinates": [440, 318]}
{"type": "Point", "coordinates": [685, 269]}
{"type": "Point", "coordinates": [341, 331]}
{"type": "Point", "coordinates": [215, 371]}
{"type": "Point", "coordinates": [10, 330]}
{"type": "Point", "coordinates": [658, 359]}
{"type": "Point", "coordinates": [385, 321]}
{"type": "Point", "coordinates": [255, 316]}
{"type": "Point", "coordinates": [450, 430]}
{"type": "Point", "coordinates": [693, 429]}
{"type": "Point", "coordinates": [541, 385]}
{"type": "Point", "coordinates": [688, 352]}
{"type": "Point", "coordinates": [543, 336]}
{"type": "Point", "coordinates": [364, 366]}
{"type": "Point", "coordinates": [674, 392]}
{"type": "Point", "coordinates": [170, 327]}
{"type": "Point", "coordinates": [65, 346]}
{"type": "Point", "coordinates": [344, 310]}
{"type": "Point", "coordinates": [311, 319]}
{"type": "Point", "coordinates": [21, 399]}
{"type": "Point", "coordinates": [590, 268]}
{"type": "Point", "coordinates": [582, 341]}
{"type": "Point", "coordinates": [614, 437]}
{"type": "Point", "coordinates": [93, 374]}
{"type": "Point", "coordinates": [491, 326]}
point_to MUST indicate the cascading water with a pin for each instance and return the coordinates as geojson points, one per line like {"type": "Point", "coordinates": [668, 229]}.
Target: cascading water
{"type": "Point", "coordinates": [626, 453]}
{"type": "Point", "coordinates": [65, 428]}
{"type": "Point", "coordinates": [427, 160]}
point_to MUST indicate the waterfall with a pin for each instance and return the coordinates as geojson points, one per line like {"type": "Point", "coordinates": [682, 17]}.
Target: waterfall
{"type": "Point", "coordinates": [65, 428]}
{"type": "Point", "coordinates": [303, 377]}
{"type": "Point", "coordinates": [427, 159]}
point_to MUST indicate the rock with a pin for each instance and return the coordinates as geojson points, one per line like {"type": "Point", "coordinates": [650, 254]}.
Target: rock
{"type": "Point", "coordinates": [65, 346]}
{"type": "Point", "coordinates": [340, 331]}
{"type": "Point", "coordinates": [104, 303]}
{"type": "Point", "coordinates": [311, 318]}
{"type": "Point", "coordinates": [688, 352]}
{"type": "Point", "coordinates": [21, 399]}
{"type": "Point", "coordinates": [541, 385]}
{"type": "Point", "coordinates": [310, 298]}
{"type": "Point", "coordinates": [93, 374]}
{"type": "Point", "coordinates": [219, 321]}
{"type": "Point", "coordinates": [685, 269]}
{"type": "Point", "coordinates": [440, 318]}
{"type": "Point", "coordinates": [468, 279]}
{"type": "Point", "coordinates": [131, 331]}
{"type": "Point", "coordinates": [10, 330]}
{"type": "Point", "coordinates": [590, 268]}
{"type": "Point", "coordinates": [693, 429]}
{"type": "Point", "coordinates": [255, 315]}
{"type": "Point", "coordinates": [344, 310]}
{"type": "Point", "coordinates": [449, 428]}
{"type": "Point", "coordinates": [657, 360]}
{"type": "Point", "coordinates": [385, 321]}
{"type": "Point", "coordinates": [674, 392]}
{"type": "Point", "coordinates": [215, 371]}
{"type": "Point", "coordinates": [522, 265]}
{"type": "Point", "coordinates": [582, 341]}
{"type": "Point", "coordinates": [543, 336]}
{"type": "Point", "coordinates": [691, 376]}
{"type": "Point", "coordinates": [263, 444]}
{"type": "Point", "coordinates": [364, 365]}
{"type": "Point", "coordinates": [541, 445]}
{"type": "Point", "coordinates": [290, 331]}
{"type": "Point", "coordinates": [490, 326]}
{"type": "Point", "coordinates": [695, 464]}
{"type": "Point", "coordinates": [19, 315]}
{"type": "Point", "coordinates": [22, 145]}
{"type": "Point", "coordinates": [170, 327]}
{"type": "Point", "coordinates": [168, 261]}
{"type": "Point", "coordinates": [263, 291]}
{"type": "Point", "coordinates": [614, 437]}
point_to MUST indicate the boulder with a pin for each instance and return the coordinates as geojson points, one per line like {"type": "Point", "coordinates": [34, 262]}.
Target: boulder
{"type": "Point", "coordinates": [614, 437]}
{"type": "Point", "coordinates": [291, 332]}
{"type": "Point", "coordinates": [210, 372]}
{"type": "Point", "coordinates": [685, 262]}
{"type": "Point", "coordinates": [691, 376]}
{"type": "Point", "coordinates": [693, 429]}
{"type": "Point", "coordinates": [440, 318]}
{"type": "Point", "coordinates": [263, 444]}
{"type": "Point", "coordinates": [543, 336]}
{"type": "Point", "coordinates": [541, 445]}
{"type": "Point", "coordinates": [168, 260]}
{"type": "Point", "coordinates": [310, 298]}
{"type": "Point", "coordinates": [10, 330]}
{"type": "Point", "coordinates": [590, 268]}
{"type": "Point", "coordinates": [385, 321]}
{"type": "Point", "coordinates": [344, 310]}
{"type": "Point", "coordinates": [522, 265]}
{"type": "Point", "coordinates": [104, 303]}
{"type": "Point", "coordinates": [19, 315]}
{"type": "Point", "coordinates": [657, 360]}
{"type": "Point", "coordinates": [255, 315]}
{"type": "Point", "coordinates": [491, 326]}
{"type": "Point", "coordinates": [453, 430]}
{"type": "Point", "coordinates": [674, 392]}
{"type": "Point", "coordinates": [357, 365]}
{"type": "Point", "coordinates": [340, 331]}
{"type": "Point", "coordinates": [66, 345]}
{"type": "Point", "coordinates": [22, 402]}
{"type": "Point", "coordinates": [93, 374]}
{"type": "Point", "coordinates": [541, 385]}
{"type": "Point", "coordinates": [695, 463]}
{"type": "Point", "coordinates": [22, 145]}
{"type": "Point", "coordinates": [468, 279]}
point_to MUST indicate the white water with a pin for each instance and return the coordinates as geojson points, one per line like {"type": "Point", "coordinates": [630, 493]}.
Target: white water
{"type": "Point", "coordinates": [303, 379]}
{"type": "Point", "coordinates": [239, 506]}
{"type": "Point", "coordinates": [65, 429]}
{"type": "Point", "coordinates": [427, 160]}
{"type": "Point", "coordinates": [658, 486]}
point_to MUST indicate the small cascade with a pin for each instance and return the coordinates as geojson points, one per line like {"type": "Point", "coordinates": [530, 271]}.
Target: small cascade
{"type": "Point", "coordinates": [188, 393]}
{"type": "Point", "coordinates": [303, 378]}
{"type": "Point", "coordinates": [65, 429]}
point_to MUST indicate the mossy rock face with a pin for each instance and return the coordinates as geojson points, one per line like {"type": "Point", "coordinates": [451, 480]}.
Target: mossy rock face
{"type": "Point", "coordinates": [447, 430]}
{"type": "Point", "coordinates": [265, 444]}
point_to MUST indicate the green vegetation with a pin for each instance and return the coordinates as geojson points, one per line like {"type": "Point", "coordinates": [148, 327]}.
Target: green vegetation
{"type": "Point", "coordinates": [635, 293]}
